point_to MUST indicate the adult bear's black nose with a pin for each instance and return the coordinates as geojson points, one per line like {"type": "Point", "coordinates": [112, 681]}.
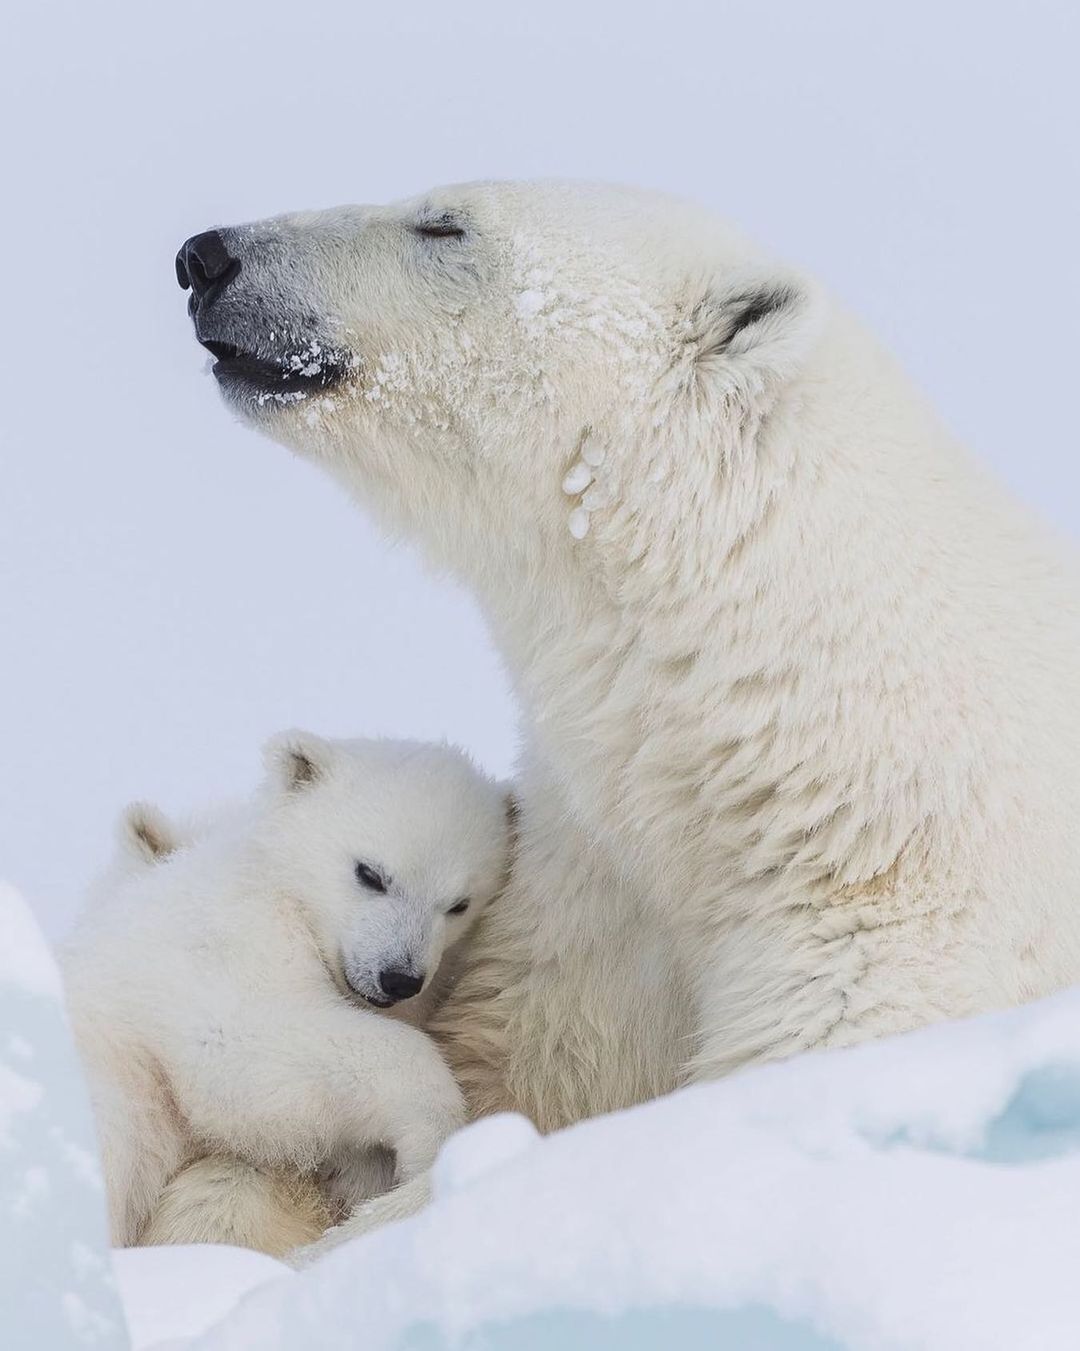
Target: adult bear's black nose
{"type": "Point", "coordinates": [205, 264]}
{"type": "Point", "coordinates": [399, 984]}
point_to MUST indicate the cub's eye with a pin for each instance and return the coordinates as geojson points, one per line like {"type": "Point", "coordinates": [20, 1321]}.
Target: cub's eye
{"type": "Point", "coordinates": [370, 878]}
{"type": "Point", "coordinates": [440, 227]}
{"type": "Point", "coordinates": [460, 908]}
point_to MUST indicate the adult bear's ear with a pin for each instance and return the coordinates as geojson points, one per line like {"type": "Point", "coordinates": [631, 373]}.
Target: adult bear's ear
{"type": "Point", "coordinates": [753, 327]}
{"type": "Point", "coordinates": [295, 760]}
{"type": "Point", "coordinates": [146, 834]}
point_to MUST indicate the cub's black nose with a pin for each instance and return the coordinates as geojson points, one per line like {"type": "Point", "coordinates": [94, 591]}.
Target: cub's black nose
{"type": "Point", "coordinates": [205, 264]}
{"type": "Point", "coordinates": [399, 984]}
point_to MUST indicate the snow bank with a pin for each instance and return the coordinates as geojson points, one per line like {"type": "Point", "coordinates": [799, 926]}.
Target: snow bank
{"type": "Point", "coordinates": [172, 1294]}
{"type": "Point", "coordinates": [921, 1194]}
{"type": "Point", "coordinates": [56, 1287]}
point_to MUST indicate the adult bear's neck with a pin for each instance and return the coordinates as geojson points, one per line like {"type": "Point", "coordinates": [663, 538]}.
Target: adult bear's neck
{"type": "Point", "coordinates": [733, 668]}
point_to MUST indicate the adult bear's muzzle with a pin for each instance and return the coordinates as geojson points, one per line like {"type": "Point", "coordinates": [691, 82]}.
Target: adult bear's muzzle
{"type": "Point", "coordinates": [266, 349]}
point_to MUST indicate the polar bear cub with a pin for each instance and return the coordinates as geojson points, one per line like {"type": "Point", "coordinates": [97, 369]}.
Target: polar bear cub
{"type": "Point", "coordinates": [226, 981]}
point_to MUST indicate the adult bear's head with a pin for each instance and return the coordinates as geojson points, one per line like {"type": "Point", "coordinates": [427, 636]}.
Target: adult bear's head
{"type": "Point", "coordinates": [512, 371]}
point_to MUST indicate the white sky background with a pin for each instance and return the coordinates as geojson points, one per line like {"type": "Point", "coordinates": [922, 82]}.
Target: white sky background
{"type": "Point", "coordinates": [173, 588]}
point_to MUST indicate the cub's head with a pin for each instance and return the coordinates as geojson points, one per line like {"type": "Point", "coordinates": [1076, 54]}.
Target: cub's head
{"type": "Point", "coordinates": [502, 367]}
{"type": "Point", "coordinates": [391, 848]}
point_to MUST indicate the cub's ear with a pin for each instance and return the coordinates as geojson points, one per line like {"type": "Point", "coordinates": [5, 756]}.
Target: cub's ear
{"type": "Point", "coordinates": [754, 324]}
{"type": "Point", "coordinates": [296, 760]}
{"type": "Point", "coordinates": [146, 834]}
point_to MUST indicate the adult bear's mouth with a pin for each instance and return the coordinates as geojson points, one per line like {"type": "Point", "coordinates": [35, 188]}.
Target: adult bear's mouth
{"type": "Point", "coordinates": [285, 378]}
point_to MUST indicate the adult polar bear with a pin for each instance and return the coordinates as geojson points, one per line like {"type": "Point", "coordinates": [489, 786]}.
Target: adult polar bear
{"type": "Point", "coordinates": [800, 689]}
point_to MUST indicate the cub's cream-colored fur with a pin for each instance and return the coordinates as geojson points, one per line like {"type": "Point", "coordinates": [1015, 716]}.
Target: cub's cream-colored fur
{"type": "Point", "coordinates": [225, 1199]}
{"type": "Point", "coordinates": [800, 686]}
{"type": "Point", "coordinates": [226, 979]}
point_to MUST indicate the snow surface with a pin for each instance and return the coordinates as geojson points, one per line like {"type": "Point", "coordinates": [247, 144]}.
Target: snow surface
{"type": "Point", "coordinates": [173, 1294]}
{"type": "Point", "coordinates": [56, 1288]}
{"type": "Point", "coordinates": [920, 1194]}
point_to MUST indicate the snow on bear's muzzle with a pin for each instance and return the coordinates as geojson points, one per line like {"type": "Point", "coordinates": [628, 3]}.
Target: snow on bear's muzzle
{"type": "Point", "coordinates": [266, 349]}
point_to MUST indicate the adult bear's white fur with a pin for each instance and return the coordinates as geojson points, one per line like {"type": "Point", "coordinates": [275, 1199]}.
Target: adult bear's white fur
{"type": "Point", "coordinates": [217, 985]}
{"type": "Point", "coordinates": [800, 687]}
